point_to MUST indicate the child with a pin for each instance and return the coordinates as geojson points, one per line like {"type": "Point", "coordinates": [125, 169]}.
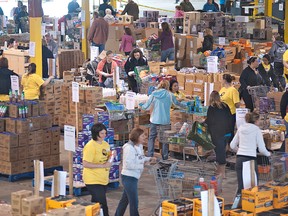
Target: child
{"type": "Point", "coordinates": [127, 42]}
{"type": "Point", "coordinates": [109, 18]}
{"type": "Point", "coordinates": [179, 13]}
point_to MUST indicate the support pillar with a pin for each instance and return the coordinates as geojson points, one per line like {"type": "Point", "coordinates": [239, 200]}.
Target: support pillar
{"type": "Point", "coordinates": [35, 21]}
{"type": "Point", "coordinates": [85, 27]}
{"type": "Point", "coordinates": [286, 22]}
{"type": "Point", "coordinates": [268, 8]}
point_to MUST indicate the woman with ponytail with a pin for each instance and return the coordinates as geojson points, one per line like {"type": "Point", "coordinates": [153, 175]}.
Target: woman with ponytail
{"type": "Point", "coordinates": [245, 142]}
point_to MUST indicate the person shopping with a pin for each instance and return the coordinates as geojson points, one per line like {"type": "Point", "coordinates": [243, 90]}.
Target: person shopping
{"type": "Point", "coordinates": [32, 83]}
{"type": "Point", "coordinates": [5, 79]}
{"type": "Point", "coordinates": [133, 166]}
{"type": "Point", "coordinates": [208, 41]}
{"type": "Point", "coordinates": [267, 73]}
{"type": "Point", "coordinates": [284, 115]}
{"type": "Point", "coordinates": [250, 77]}
{"type": "Point", "coordinates": [127, 42]}
{"type": "Point", "coordinates": [167, 44]}
{"type": "Point", "coordinates": [161, 100]}
{"type": "Point", "coordinates": [96, 156]}
{"type": "Point", "coordinates": [230, 95]}
{"type": "Point", "coordinates": [219, 121]}
{"type": "Point", "coordinates": [174, 88]}
{"type": "Point", "coordinates": [246, 141]}
{"type": "Point", "coordinates": [106, 69]}
{"type": "Point", "coordinates": [135, 59]}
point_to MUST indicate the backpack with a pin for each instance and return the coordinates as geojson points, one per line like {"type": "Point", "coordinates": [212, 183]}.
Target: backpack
{"type": "Point", "coordinates": [281, 50]}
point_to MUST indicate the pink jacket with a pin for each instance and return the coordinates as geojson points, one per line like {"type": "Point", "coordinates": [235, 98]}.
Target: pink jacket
{"type": "Point", "coordinates": [126, 43]}
{"type": "Point", "coordinates": [179, 14]}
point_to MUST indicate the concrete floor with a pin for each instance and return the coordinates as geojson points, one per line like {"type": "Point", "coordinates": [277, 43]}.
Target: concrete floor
{"type": "Point", "coordinates": [148, 197]}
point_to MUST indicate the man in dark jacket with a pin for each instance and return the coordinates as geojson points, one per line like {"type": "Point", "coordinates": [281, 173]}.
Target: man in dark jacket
{"type": "Point", "coordinates": [104, 6]}
{"type": "Point", "coordinates": [46, 54]}
{"type": "Point", "coordinates": [187, 6]}
{"type": "Point", "coordinates": [131, 9]}
{"type": "Point", "coordinates": [276, 53]}
{"type": "Point", "coordinates": [5, 80]}
{"type": "Point", "coordinates": [136, 59]}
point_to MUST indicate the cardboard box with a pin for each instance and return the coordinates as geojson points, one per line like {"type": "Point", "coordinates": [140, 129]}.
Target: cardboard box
{"type": "Point", "coordinates": [190, 78]}
{"type": "Point", "coordinates": [32, 205]}
{"type": "Point", "coordinates": [198, 87]}
{"type": "Point", "coordinates": [175, 148]}
{"type": "Point", "coordinates": [194, 44]}
{"type": "Point", "coordinates": [35, 123]}
{"type": "Point", "coordinates": [257, 199]}
{"type": "Point", "coordinates": [23, 139]}
{"type": "Point", "coordinates": [45, 121]}
{"type": "Point", "coordinates": [55, 148]}
{"type": "Point", "coordinates": [189, 88]}
{"type": "Point", "coordinates": [193, 17]}
{"type": "Point", "coordinates": [2, 125]}
{"type": "Point", "coordinates": [181, 206]}
{"type": "Point", "coordinates": [11, 125]}
{"type": "Point", "coordinates": [8, 140]}
{"type": "Point", "coordinates": [180, 41]}
{"type": "Point", "coordinates": [150, 31]}
{"type": "Point", "coordinates": [259, 24]}
{"type": "Point", "coordinates": [239, 212]}
{"type": "Point", "coordinates": [54, 203]}
{"type": "Point", "coordinates": [181, 78]}
{"type": "Point", "coordinates": [280, 194]}
{"type": "Point", "coordinates": [16, 200]}
{"type": "Point", "coordinates": [22, 126]}
{"type": "Point", "coordinates": [9, 154]}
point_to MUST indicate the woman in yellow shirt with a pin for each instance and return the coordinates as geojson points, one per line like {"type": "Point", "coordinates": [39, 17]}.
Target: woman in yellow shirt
{"type": "Point", "coordinates": [174, 88]}
{"type": "Point", "coordinates": [230, 95]}
{"type": "Point", "coordinates": [32, 83]}
{"type": "Point", "coordinates": [96, 155]}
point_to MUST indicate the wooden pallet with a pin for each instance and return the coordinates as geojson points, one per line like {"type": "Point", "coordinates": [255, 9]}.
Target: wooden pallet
{"type": "Point", "coordinates": [28, 175]}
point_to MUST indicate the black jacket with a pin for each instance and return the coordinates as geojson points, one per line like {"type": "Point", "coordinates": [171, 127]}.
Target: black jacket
{"type": "Point", "coordinates": [46, 53]}
{"type": "Point", "coordinates": [130, 64]}
{"type": "Point", "coordinates": [207, 43]}
{"type": "Point", "coordinates": [284, 104]}
{"type": "Point", "coordinates": [104, 6]}
{"type": "Point", "coordinates": [219, 121]}
{"type": "Point", "coordinates": [249, 78]}
{"type": "Point", "coordinates": [269, 77]}
{"type": "Point", "coordinates": [5, 81]}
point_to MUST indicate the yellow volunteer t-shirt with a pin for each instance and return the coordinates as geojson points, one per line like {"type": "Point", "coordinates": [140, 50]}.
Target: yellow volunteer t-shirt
{"type": "Point", "coordinates": [180, 95]}
{"type": "Point", "coordinates": [4, 97]}
{"type": "Point", "coordinates": [285, 58]}
{"type": "Point", "coordinates": [94, 152]}
{"type": "Point", "coordinates": [31, 86]}
{"type": "Point", "coordinates": [230, 96]}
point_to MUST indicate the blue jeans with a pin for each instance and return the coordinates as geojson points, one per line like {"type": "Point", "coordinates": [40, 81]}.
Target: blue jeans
{"type": "Point", "coordinates": [130, 195]}
{"type": "Point", "coordinates": [100, 46]}
{"type": "Point", "coordinates": [169, 53]}
{"type": "Point", "coordinates": [151, 141]}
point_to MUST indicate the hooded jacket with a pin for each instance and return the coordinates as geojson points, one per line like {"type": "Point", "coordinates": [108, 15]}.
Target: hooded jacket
{"type": "Point", "coordinates": [187, 6]}
{"type": "Point", "coordinates": [276, 55]}
{"type": "Point", "coordinates": [161, 100]}
{"type": "Point", "coordinates": [132, 9]}
{"type": "Point", "coordinates": [247, 139]}
{"type": "Point", "coordinates": [133, 160]}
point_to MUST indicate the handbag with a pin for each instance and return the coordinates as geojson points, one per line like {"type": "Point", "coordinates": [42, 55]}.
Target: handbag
{"type": "Point", "coordinates": [201, 136]}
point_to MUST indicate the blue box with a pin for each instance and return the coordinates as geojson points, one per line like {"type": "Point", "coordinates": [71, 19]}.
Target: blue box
{"type": "Point", "coordinates": [88, 121]}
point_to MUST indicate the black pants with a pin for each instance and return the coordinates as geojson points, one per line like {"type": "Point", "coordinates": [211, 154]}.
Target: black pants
{"type": "Point", "coordinates": [279, 69]}
{"type": "Point", "coordinates": [247, 99]}
{"type": "Point", "coordinates": [220, 149]}
{"type": "Point", "coordinates": [239, 165]}
{"type": "Point", "coordinates": [133, 86]}
{"type": "Point", "coordinates": [98, 193]}
{"type": "Point", "coordinates": [223, 8]}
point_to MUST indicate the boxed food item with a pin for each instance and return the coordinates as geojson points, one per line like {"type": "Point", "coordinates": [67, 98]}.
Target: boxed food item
{"type": "Point", "coordinates": [32, 205]}
{"type": "Point", "coordinates": [16, 200]}
{"type": "Point", "coordinates": [257, 199]}
{"type": "Point", "coordinates": [8, 140]}
{"type": "Point", "coordinates": [182, 206]}
{"type": "Point", "coordinates": [280, 194]}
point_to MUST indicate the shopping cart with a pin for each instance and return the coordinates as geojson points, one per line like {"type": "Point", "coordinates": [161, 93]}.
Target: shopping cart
{"type": "Point", "coordinates": [174, 181]}
{"type": "Point", "coordinates": [261, 103]}
{"type": "Point", "coordinates": [273, 168]}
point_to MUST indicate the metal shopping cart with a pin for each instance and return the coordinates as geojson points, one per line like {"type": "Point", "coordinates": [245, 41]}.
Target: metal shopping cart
{"type": "Point", "coordinates": [174, 181]}
{"type": "Point", "coordinates": [272, 168]}
{"type": "Point", "coordinates": [261, 102]}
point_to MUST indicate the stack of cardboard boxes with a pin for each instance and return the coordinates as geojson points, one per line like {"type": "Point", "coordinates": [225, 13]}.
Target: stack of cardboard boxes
{"type": "Point", "coordinates": [263, 29]}
{"type": "Point", "coordinates": [68, 59]}
{"type": "Point", "coordinates": [52, 98]}
{"type": "Point", "coordinates": [191, 22]}
{"type": "Point", "coordinates": [23, 140]}
{"type": "Point", "coordinates": [25, 204]}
